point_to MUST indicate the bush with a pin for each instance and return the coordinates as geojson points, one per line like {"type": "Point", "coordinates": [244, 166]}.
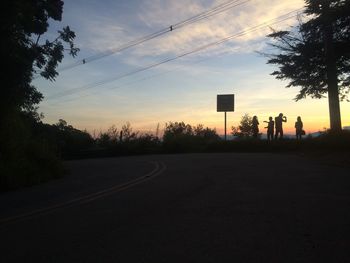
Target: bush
{"type": "Point", "coordinates": [26, 158]}
{"type": "Point", "coordinates": [181, 137]}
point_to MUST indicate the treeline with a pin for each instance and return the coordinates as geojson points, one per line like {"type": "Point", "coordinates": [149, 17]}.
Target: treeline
{"type": "Point", "coordinates": [32, 151]}
{"type": "Point", "coordinates": [177, 137]}
{"type": "Point", "coordinates": [68, 142]}
{"type": "Point", "coordinates": [35, 150]}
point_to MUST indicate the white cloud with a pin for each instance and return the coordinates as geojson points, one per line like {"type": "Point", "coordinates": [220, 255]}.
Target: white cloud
{"type": "Point", "coordinates": [171, 98]}
{"type": "Point", "coordinates": [160, 13]}
{"type": "Point", "coordinates": [101, 33]}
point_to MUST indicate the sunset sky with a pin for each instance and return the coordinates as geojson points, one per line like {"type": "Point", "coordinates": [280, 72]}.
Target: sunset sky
{"type": "Point", "coordinates": [183, 89]}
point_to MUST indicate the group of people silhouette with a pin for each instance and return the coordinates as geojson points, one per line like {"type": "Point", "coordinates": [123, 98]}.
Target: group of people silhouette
{"type": "Point", "coordinates": [275, 127]}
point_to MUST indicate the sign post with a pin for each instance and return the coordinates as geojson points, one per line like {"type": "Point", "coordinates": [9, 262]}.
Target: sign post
{"type": "Point", "coordinates": [225, 125]}
{"type": "Point", "coordinates": [225, 103]}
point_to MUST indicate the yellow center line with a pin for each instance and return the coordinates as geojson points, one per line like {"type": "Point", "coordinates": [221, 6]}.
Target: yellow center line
{"type": "Point", "coordinates": [159, 168]}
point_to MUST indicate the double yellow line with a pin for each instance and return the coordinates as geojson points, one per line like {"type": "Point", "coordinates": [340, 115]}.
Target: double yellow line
{"type": "Point", "coordinates": [158, 169]}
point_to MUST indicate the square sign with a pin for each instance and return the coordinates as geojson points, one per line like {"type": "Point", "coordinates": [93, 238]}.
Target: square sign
{"type": "Point", "coordinates": [225, 102]}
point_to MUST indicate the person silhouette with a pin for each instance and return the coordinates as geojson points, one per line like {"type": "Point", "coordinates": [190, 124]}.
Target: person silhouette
{"type": "Point", "coordinates": [255, 126]}
{"type": "Point", "coordinates": [278, 124]}
{"type": "Point", "coordinates": [298, 128]}
{"type": "Point", "coordinates": [270, 128]}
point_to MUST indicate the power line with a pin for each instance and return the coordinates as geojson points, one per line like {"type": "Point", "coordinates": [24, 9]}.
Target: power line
{"type": "Point", "coordinates": [206, 14]}
{"type": "Point", "coordinates": [136, 81]}
{"type": "Point", "coordinates": [216, 10]}
{"type": "Point", "coordinates": [133, 82]}
{"type": "Point", "coordinates": [244, 32]}
{"type": "Point", "coordinates": [271, 22]}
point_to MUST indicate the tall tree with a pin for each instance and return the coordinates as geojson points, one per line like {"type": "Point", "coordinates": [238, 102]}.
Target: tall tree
{"type": "Point", "coordinates": [24, 52]}
{"type": "Point", "coordinates": [315, 55]}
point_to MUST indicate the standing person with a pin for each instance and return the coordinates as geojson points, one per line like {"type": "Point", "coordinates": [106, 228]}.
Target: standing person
{"type": "Point", "coordinates": [270, 128]}
{"type": "Point", "coordinates": [255, 124]}
{"type": "Point", "coordinates": [278, 123]}
{"type": "Point", "coordinates": [299, 128]}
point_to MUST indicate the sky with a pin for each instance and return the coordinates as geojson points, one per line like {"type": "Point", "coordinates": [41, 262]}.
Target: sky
{"type": "Point", "coordinates": [108, 91]}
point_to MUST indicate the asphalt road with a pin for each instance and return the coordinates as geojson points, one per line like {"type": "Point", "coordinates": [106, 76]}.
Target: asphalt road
{"type": "Point", "coordinates": [182, 208]}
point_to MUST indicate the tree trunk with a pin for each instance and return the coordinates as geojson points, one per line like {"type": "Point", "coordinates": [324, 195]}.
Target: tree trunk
{"type": "Point", "coordinates": [334, 107]}
{"type": "Point", "coordinates": [332, 78]}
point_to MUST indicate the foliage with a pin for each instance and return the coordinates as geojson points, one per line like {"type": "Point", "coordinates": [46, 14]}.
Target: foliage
{"type": "Point", "coordinates": [31, 158]}
{"type": "Point", "coordinates": [142, 144]}
{"type": "Point", "coordinates": [109, 138]}
{"type": "Point", "coordinates": [181, 137]}
{"type": "Point", "coordinates": [177, 130]}
{"type": "Point", "coordinates": [206, 133]}
{"type": "Point", "coordinates": [124, 142]}
{"type": "Point", "coordinates": [67, 138]}
{"type": "Point", "coordinates": [127, 133]}
{"type": "Point", "coordinates": [25, 53]}
{"type": "Point", "coordinates": [302, 51]}
{"type": "Point", "coordinates": [178, 137]}
{"type": "Point", "coordinates": [245, 128]}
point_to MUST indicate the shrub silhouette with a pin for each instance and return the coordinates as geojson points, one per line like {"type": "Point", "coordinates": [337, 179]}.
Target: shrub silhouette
{"type": "Point", "coordinates": [245, 129]}
{"type": "Point", "coordinates": [181, 137]}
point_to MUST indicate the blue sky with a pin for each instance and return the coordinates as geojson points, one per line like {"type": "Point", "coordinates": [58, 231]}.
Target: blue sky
{"type": "Point", "coordinates": [181, 90]}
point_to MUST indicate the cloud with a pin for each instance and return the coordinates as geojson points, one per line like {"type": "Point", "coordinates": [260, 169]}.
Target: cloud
{"type": "Point", "coordinates": [160, 13]}
{"type": "Point", "coordinates": [101, 33]}
{"type": "Point", "coordinates": [189, 93]}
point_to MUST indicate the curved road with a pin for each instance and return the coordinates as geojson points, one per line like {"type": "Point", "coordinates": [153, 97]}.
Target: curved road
{"type": "Point", "coordinates": [182, 208]}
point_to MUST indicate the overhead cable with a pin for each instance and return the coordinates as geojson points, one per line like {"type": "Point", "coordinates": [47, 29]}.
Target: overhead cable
{"type": "Point", "coordinates": [269, 23]}
{"type": "Point", "coordinates": [206, 14]}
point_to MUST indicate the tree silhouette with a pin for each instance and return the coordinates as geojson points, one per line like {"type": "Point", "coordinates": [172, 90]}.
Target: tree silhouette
{"type": "Point", "coordinates": [27, 52]}
{"type": "Point", "coordinates": [315, 55]}
{"type": "Point", "coordinates": [127, 132]}
{"type": "Point", "coordinates": [245, 128]}
{"type": "Point", "coordinates": [182, 137]}
{"type": "Point", "coordinates": [173, 129]}
{"type": "Point", "coordinates": [205, 132]}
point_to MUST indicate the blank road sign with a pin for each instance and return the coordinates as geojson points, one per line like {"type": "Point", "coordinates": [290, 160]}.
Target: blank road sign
{"type": "Point", "coordinates": [225, 102]}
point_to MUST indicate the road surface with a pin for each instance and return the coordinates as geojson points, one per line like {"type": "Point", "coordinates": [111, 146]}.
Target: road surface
{"type": "Point", "coordinates": [232, 207]}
